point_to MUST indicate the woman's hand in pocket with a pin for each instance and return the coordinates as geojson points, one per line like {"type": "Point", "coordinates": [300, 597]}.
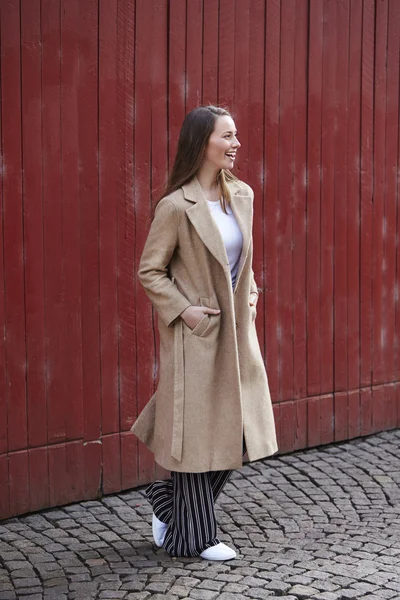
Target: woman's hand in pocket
{"type": "Point", "coordinates": [192, 315]}
{"type": "Point", "coordinates": [253, 299]}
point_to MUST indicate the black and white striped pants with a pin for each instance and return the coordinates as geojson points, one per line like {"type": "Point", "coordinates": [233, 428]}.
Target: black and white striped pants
{"type": "Point", "coordinates": [187, 503]}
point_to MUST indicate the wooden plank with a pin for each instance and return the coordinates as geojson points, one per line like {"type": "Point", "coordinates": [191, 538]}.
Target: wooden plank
{"type": "Point", "coordinates": [111, 457]}
{"type": "Point", "coordinates": [327, 419]}
{"type": "Point", "coordinates": [314, 149]}
{"type": "Point", "coordinates": [240, 107]}
{"type": "Point", "coordinates": [255, 151]}
{"type": "Point", "coordinates": [89, 214]}
{"type": "Point", "coordinates": [299, 201]}
{"type": "Point", "coordinates": [52, 223]}
{"type": "Point", "coordinates": [354, 413]}
{"type": "Point", "coordinates": [129, 459]}
{"type": "Point", "coordinates": [58, 474]}
{"type": "Point", "coordinates": [226, 54]}
{"type": "Point", "coordinates": [3, 371]}
{"type": "Point", "coordinates": [108, 182]}
{"type": "Point", "coordinates": [379, 172]}
{"type": "Point", "coordinates": [19, 482]}
{"type": "Point", "coordinates": [285, 223]}
{"type": "Point", "coordinates": [194, 51]}
{"type": "Point", "coordinates": [176, 74]}
{"type": "Point", "coordinates": [353, 199]}
{"type": "Point", "coordinates": [378, 408]}
{"type": "Point", "coordinates": [366, 411]}
{"type": "Point", "coordinates": [39, 490]}
{"type": "Point", "coordinates": [367, 95]}
{"type": "Point", "coordinates": [391, 206]}
{"type": "Point", "coordinates": [288, 426]}
{"type": "Point", "coordinates": [93, 469]}
{"type": "Point", "coordinates": [127, 309]}
{"type": "Point", "coordinates": [314, 422]}
{"type": "Point", "coordinates": [145, 326]}
{"type": "Point", "coordinates": [5, 487]}
{"type": "Point", "coordinates": [13, 248]}
{"type": "Point", "coordinates": [271, 193]}
{"type": "Point", "coordinates": [210, 52]}
{"type": "Point", "coordinates": [340, 199]}
{"type": "Point", "coordinates": [390, 406]}
{"type": "Point", "coordinates": [327, 194]}
{"type": "Point", "coordinates": [75, 471]}
{"type": "Point", "coordinates": [300, 440]}
{"type": "Point", "coordinates": [341, 416]}
{"type": "Point", "coordinates": [71, 226]}
{"type": "Point", "coordinates": [33, 221]}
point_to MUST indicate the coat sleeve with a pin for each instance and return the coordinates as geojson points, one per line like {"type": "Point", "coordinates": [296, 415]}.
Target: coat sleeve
{"type": "Point", "coordinates": [153, 268]}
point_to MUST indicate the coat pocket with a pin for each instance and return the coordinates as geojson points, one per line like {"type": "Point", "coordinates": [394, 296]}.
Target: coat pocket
{"type": "Point", "coordinates": [209, 322]}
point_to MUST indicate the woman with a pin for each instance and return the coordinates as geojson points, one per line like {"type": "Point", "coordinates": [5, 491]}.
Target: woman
{"type": "Point", "coordinates": [212, 400]}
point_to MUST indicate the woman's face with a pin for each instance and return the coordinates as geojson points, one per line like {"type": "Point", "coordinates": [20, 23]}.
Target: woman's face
{"type": "Point", "coordinates": [222, 144]}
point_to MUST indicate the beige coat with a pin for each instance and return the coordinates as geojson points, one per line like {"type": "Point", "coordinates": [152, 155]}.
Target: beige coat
{"type": "Point", "coordinates": [213, 386]}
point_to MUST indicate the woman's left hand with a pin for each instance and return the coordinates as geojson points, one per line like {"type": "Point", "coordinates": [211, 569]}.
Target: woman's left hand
{"type": "Point", "coordinates": [253, 298]}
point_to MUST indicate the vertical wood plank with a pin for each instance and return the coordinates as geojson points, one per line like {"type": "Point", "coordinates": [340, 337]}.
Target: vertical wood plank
{"type": "Point", "coordinates": [13, 243]}
{"type": "Point", "coordinates": [341, 200]}
{"type": "Point", "coordinates": [75, 464]}
{"type": "Point", "coordinates": [367, 141]}
{"type": "Point", "coordinates": [379, 173]}
{"type": "Point", "coordinates": [89, 214]}
{"type": "Point", "coordinates": [391, 205]}
{"type": "Point", "coordinates": [127, 245]}
{"type": "Point", "coordinates": [327, 419]}
{"type": "Point", "coordinates": [353, 198]}
{"type": "Point", "coordinates": [327, 194]}
{"type": "Point", "coordinates": [93, 469]}
{"type": "Point", "coordinates": [3, 372]}
{"type": "Point", "coordinates": [71, 220]}
{"type": "Point", "coordinates": [58, 474]}
{"type": "Point", "coordinates": [271, 194]}
{"type": "Point", "coordinates": [299, 202]}
{"type": "Point", "coordinates": [366, 411]}
{"type": "Point", "coordinates": [39, 491]}
{"type": "Point", "coordinates": [176, 74]}
{"type": "Point", "coordinates": [354, 413]}
{"type": "Point", "coordinates": [111, 459]}
{"type": "Point", "coordinates": [33, 221]}
{"type": "Point", "coordinates": [341, 415]}
{"type": "Point", "coordinates": [129, 460]}
{"type": "Point", "coordinates": [314, 421]}
{"type": "Point", "coordinates": [210, 52]}
{"type": "Point", "coordinates": [226, 53]}
{"type": "Point", "coordinates": [19, 482]}
{"type": "Point", "coordinates": [5, 487]}
{"type": "Point", "coordinates": [255, 151]}
{"type": "Point", "coordinates": [108, 260]}
{"type": "Point", "coordinates": [314, 161]}
{"type": "Point", "coordinates": [52, 223]}
{"type": "Point", "coordinates": [241, 100]}
{"type": "Point", "coordinates": [194, 51]}
{"type": "Point", "coordinates": [285, 222]}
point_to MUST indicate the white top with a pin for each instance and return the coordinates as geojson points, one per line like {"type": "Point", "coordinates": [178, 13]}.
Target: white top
{"type": "Point", "coordinates": [230, 233]}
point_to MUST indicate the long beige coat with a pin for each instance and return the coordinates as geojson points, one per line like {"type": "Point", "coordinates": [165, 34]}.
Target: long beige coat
{"type": "Point", "coordinates": [213, 386]}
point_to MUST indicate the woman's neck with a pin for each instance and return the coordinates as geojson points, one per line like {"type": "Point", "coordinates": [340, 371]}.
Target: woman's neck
{"type": "Point", "coordinates": [207, 176]}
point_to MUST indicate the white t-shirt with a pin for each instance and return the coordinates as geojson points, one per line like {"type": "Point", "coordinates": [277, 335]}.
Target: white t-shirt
{"type": "Point", "coordinates": [230, 233]}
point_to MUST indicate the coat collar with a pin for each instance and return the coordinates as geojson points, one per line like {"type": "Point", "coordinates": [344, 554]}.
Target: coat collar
{"type": "Point", "coordinates": [201, 219]}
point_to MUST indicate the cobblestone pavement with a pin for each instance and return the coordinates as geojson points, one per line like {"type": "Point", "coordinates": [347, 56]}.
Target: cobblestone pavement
{"type": "Point", "coordinates": [321, 524]}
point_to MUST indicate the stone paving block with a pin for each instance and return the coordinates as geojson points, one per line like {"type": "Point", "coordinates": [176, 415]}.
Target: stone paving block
{"type": "Point", "coordinates": [259, 593]}
{"type": "Point", "coordinates": [203, 594]}
{"type": "Point", "coordinates": [303, 591]}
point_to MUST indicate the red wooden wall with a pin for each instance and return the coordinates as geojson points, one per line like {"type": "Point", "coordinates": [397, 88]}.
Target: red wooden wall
{"type": "Point", "coordinates": [92, 97]}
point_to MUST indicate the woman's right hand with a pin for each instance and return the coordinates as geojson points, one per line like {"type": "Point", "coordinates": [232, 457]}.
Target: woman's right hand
{"type": "Point", "coordinates": [192, 315]}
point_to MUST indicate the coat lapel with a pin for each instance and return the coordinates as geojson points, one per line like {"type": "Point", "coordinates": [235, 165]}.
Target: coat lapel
{"type": "Point", "coordinates": [201, 219]}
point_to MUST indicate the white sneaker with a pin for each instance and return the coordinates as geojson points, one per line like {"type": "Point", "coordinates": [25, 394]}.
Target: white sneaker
{"type": "Point", "coordinates": [159, 531]}
{"type": "Point", "coordinates": [218, 552]}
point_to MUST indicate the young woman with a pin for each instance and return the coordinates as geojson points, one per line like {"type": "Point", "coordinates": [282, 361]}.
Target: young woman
{"type": "Point", "coordinates": [212, 400]}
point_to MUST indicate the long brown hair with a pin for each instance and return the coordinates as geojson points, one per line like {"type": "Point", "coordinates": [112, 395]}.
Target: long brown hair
{"type": "Point", "coordinates": [196, 129]}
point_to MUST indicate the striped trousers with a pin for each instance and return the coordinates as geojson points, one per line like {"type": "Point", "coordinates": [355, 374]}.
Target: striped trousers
{"type": "Point", "coordinates": [187, 503]}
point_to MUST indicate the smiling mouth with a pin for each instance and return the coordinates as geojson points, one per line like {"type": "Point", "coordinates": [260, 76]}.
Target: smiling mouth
{"type": "Point", "coordinates": [231, 155]}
